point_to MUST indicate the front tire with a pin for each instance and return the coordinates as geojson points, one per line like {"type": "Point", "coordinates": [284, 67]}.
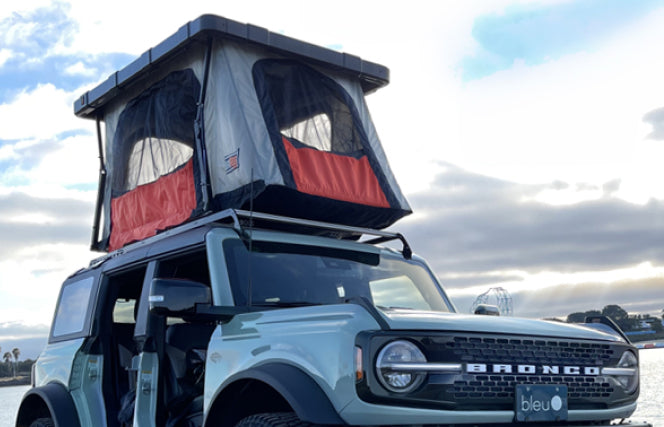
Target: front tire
{"type": "Point", "coordinates": [43, 422]}
{"type": "Point", "coordinates": [274, 419]}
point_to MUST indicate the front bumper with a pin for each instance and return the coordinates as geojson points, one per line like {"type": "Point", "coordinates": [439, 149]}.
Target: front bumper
{"type": "Point", "coordinates": [359, 412]}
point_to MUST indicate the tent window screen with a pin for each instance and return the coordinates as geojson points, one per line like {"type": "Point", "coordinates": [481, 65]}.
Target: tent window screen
{"type": "Point", "coordinates": [153, 172]}
{"type": "Point", "coordinates": [153, 157]}
{"type": "Point", "coordinates": [155, 134]}
{"type": "Point", "coordinates": [307, 106]}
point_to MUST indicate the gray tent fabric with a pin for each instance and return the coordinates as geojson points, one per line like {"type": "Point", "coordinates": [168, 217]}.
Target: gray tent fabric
{"type": "Point", "coordinates": [279, 134]}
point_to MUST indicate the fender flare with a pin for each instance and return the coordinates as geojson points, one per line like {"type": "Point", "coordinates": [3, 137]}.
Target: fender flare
{"type": "Point", "coordinates": [58, 401]}
{"type": "Point", "coordinates": [302, 393]}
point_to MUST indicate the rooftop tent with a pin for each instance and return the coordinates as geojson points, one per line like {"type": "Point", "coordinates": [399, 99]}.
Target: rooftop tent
{"type": "Point", "coordinates": [226, 115]}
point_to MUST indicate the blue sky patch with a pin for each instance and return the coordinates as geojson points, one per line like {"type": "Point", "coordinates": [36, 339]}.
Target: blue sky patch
{"type": "Point", "coordinates": [11, 181]}
{"type": "Point", "coordinates": [84, 186]}
{"type": "Point", "coordinates": [17, 75]}
{"type": "Point", "coordinates": [535, 34]}
{"type": "Point", "coordinates": [71, 133]}
{"type": "Point", "coordinates": [31, 38]}
{"type": "Point", "coordinates": [38, 30]}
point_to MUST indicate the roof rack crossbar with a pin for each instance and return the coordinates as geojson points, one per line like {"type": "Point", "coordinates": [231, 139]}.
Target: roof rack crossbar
{"type": "Point", "coordinates": [235, 215]}
{"type": "Point", "coordinates": [381, 236]}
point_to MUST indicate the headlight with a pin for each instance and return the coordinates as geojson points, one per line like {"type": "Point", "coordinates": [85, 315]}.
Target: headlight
{"type": "Point", "coordinates": [626, 373]}
{"type": "Point", "coordinates": [397, 366]}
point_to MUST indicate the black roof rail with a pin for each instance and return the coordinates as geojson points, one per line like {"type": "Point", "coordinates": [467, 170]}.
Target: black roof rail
{"type": "Point", "coordinates": [379, 235]}
{"type": "Point", "coordinates": [235, 216]}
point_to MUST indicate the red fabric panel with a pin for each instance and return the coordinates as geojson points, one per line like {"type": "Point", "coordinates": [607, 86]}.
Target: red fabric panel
{"type": "Point", "coordinates": [335, 176]}
{"type": "Point", "coordinates": [148, 208]}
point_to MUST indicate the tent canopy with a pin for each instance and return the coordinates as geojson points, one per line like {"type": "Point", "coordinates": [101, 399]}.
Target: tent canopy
{"type": "Point", "coordinates": [226, 115]}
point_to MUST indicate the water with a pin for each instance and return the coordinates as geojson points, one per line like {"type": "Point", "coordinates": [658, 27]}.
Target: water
{"type": "Point", "coordinates": [651, 400]}
{"type": "Point", "coordinates": [10, 398]}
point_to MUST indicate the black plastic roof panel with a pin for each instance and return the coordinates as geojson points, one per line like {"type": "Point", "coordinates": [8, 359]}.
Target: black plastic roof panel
{"type": "Point", "coordinates": [372, 76]}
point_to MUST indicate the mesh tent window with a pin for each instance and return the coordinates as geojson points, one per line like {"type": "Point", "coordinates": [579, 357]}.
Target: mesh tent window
{"type": "Point", "coordinates": [305, 105]}
{"type": "Point", "coordinates": [317, 135]}
{"type": "Point", "coordinates": [153, 170]}
{"type": "Point", "coordinates": [155, 132]}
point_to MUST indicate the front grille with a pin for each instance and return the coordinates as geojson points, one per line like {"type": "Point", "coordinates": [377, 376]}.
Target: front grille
{"type": "Point", "coordinates": [515, 350]}
{"type": "Point", "coordinates": [490, 390]}
{"type": "Point", "coordinates": [502, 386]}
{"type": "Point", "coordinates": [535, 352]}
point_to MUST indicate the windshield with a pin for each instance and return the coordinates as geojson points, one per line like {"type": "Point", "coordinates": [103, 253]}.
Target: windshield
{"type": "Point", "coordinates": [291, 275]}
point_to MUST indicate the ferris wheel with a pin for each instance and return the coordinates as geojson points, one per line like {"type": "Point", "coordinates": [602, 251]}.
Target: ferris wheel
{"type": "Point", "coordinates": [495, 296]}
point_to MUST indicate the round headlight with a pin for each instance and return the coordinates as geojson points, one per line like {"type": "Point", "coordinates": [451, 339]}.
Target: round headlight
{"type": "Point", "coordinates": [396, 366]}
{"type": "Point", "coordinates": [630, 380]}
{"type": "Point", "coordinates": [626, 374]}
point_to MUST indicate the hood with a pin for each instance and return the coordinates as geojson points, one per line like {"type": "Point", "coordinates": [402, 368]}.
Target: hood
{"type": "Point", "coordinates": [426, 320]}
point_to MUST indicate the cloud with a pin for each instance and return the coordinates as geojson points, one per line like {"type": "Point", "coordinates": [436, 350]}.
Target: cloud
{"type": "Point", "coordinates": [28, 338]}
{"type": "Point", "coordinates": [656, 119]}
{"type": "Point", "coordinates": [473, 223]}
{"type": "Point", "coordinates": [5, 54]}
{"type": "Point", "coordinates": [635, 296]}
{"type": "Point", "coordinates": [12, 330]}
{"type": "Point", "coordinates": [62, 168]}
{"type": "Point", "coordinates": [31, 275]}
{"type": "Point", "coordinates": [479, 232]}
{"type": "Point", "coordinates": [35, 32]}
{"type": "Point", "coordinates": [36, 50]}
{"type": "Point", "coordinates": [27, 221]}
{"type": "Point", "coordinates": [81, 69]}
{"type": "Point", "coordinates": [611, 187]}
{"type": "Point", "coordinates": [40, 113]}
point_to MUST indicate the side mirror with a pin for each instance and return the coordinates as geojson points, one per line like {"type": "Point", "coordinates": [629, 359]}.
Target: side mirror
{"type": "Point", "coordinates": [605, 324]}
{"type": "Point", "coordinates": [487, 310]}
{"type": "Point", "coordinates": [175, 297]}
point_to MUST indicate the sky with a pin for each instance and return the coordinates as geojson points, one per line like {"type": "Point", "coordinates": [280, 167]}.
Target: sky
{"type": "Point", "coordinates": [528, 138]}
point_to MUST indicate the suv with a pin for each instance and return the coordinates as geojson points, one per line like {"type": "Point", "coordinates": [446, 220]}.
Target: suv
{"type": "Point", "coordinates": [230, 294]}
{"type": "Point", "coordinates": [248, 319]}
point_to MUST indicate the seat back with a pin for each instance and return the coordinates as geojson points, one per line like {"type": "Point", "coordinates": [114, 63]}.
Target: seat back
{"type": "Point", "coordinates": [185, 347]}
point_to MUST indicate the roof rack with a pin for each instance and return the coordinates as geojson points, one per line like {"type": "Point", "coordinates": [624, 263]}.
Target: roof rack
{"type": "Point", "coordinates": [235, 215]}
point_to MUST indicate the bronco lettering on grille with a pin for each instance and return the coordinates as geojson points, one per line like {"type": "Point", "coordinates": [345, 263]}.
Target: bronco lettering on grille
{"type": "Point", "coordinates": [483, 368]}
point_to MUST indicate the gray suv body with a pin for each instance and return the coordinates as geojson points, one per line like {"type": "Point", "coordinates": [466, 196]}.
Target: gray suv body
{"type": "Point", "coordinates": [224, 324]}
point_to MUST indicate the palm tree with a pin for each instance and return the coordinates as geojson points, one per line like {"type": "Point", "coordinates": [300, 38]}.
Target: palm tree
{"type": "Point", "coordinates": [16, 352]}
{"type": "Point", "coordinates": [8, 359]}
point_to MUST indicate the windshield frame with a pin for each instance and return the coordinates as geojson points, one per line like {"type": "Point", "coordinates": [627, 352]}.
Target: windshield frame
{"type": "Point", "coordinates": [246, 275]}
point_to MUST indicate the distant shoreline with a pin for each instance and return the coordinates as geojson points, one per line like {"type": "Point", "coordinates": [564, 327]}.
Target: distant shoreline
{"type": "Point", "coordinates": [19, 380]}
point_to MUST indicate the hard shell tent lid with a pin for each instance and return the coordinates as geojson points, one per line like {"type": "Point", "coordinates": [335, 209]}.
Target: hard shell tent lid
{"type": "Point", "coordinates": [226, 115]}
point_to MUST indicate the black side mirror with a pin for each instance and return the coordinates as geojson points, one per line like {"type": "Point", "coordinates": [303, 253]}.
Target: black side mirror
{"type": "Point", "coordinates": [487, 310]}
{"type": "Point", "coordinates": [176, 297]}
{"type": "Point", "coordinates": [606, 324]}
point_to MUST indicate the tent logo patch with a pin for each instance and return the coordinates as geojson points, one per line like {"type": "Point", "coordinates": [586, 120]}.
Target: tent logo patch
{"type": "Point", "coordinates": [232, 161]}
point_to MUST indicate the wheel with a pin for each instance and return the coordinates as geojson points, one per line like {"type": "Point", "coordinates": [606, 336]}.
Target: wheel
{"type": "Point", "coordinates": [43, 422]}
{"type": "Point", "coordinates": [275, 419]}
